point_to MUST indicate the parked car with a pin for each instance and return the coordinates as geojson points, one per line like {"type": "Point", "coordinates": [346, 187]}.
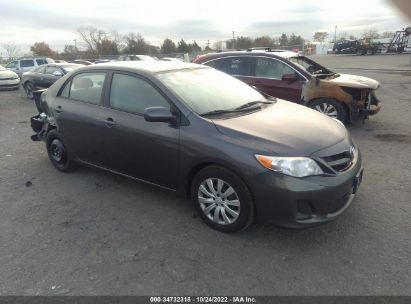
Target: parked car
{"type": "Point", "coordinates": [22, 65]}
{"type": "Point", "coordinates": [45, 75]}
{"type": "Point", "coordinates": [135, 58]}
{"type": "Point", "coordinates": [82, 61]}
{"type": "Point", "coordinates": [9, 80]}
{"type": "Point", "coordinates": [237, 153]}
{"type": "Point", "coordinates": [296, 78]}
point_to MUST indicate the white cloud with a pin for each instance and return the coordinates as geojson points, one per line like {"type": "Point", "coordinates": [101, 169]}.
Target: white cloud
{"type": "Point", "coordinates": [26, 22]}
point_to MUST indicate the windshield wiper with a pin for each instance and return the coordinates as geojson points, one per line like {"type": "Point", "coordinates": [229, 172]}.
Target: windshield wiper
{"type": "Point", "coordinates": [215, 112]}
{"type": "Point", "coordinates": [249, 105]}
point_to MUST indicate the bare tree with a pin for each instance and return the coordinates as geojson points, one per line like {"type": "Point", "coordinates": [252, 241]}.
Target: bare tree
{"type": "Point", "coordinates": [92, 37]}
{"type": "Point", "coordinates": [371, 33]}
{"type": "Point", "coordinates": [320, 37]}
{"type": "Point", "coordinates": [11, 49]}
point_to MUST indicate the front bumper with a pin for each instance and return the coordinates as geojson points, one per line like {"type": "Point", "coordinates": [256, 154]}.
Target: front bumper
{"type": "Point", "coordinates": [303, 202]}
{"type": "Point", "coordinates": [9, 84]}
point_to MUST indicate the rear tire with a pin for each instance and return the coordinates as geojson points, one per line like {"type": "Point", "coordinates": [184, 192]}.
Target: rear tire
{"type": "Point", "coordinates": [222, 199]}
{"type": "Point", "coordinates": [330, 107]}
{"type": "Point", "coordinates": [57, 152]}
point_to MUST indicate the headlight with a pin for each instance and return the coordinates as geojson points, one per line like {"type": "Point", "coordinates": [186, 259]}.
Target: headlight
{"type": "Point", "coordinates": [293, 166]}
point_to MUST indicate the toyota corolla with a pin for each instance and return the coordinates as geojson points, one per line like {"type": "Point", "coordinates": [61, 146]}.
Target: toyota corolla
{"type": "Point", "coordinates": [239, 155]}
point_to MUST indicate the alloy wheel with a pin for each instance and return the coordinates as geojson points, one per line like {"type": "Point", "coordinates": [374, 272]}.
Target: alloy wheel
{"type": "Point", "coordinates": [219, 201]}
{"type": "Point", "coordinates": [327, 109]}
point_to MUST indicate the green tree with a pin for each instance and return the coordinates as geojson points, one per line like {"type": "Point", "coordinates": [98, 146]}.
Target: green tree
{"type": "Point", "coordinates": [182, 46]}
{"type": "Point", "coordinates": [194, 47]}
{"type": "Point", "coordinates": [168, 46]}
{"type": "Point", "coordinates": [295, 40]}
{"type": "Point", "coordinates": [283, 40]}
{"type": "Point", "coordinates": [263, 41]}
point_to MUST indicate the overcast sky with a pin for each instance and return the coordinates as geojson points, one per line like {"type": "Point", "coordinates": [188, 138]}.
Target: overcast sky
{"type": "Point", "coordinates": [25, 22]}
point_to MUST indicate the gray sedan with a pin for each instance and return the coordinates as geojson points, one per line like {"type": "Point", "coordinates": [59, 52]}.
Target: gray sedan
{"type": "Point", "coordinates": [240, 155]}
{"type": "Point", "coordinates": [44, 76]}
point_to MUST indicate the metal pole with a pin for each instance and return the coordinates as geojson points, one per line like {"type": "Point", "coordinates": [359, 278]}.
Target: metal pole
{"type": "Point", "coordinates": [335, 34]}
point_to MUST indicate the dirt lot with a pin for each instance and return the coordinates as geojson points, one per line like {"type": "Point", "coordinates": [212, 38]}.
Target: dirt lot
{"type": "Point", "coordinates": [94, 233]}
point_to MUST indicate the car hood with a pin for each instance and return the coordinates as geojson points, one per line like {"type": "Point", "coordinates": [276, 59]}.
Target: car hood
{"type": "Point", "coordinates": [7, 74]}
{"type": "Point", "coordinates": [353, 81]}
{"type": "Point", "coordinates": [284, 128]}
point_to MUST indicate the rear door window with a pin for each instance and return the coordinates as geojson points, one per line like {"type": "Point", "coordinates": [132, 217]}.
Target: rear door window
{"type": "Point", "coordinates": [40, 61]}
{"type": "Point", "coordinates": [237, 66]}
{"type": "Point", "coordinates": [133, 94]}
{"type": "Point", "coordinates": [85, 87]}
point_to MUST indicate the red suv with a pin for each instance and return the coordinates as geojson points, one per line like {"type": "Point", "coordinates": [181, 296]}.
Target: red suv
{"type": "Point", "coordinates": [290, 76]}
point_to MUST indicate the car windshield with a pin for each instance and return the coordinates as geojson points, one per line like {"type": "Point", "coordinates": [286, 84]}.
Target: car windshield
{"type": "Point", "coordinates": [311, 66]}
{"type": "Point", "coordinates": [207, 90]}
{"type": "Point", "coordinates": [71, 67]}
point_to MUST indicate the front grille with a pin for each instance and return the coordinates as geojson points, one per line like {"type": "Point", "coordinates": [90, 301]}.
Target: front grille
{"type": "Point", "coordinates": [10, 78]}
{"type": "Point", "coordinates": [340, 162]}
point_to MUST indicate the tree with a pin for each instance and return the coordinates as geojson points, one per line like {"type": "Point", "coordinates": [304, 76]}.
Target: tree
{"type": "Point", "coordinates": [240, 43]}
{"type": "Point", "coordinates": [218, 45]}
{"type": "Point", "coordinates": [135, 44]}
{"type": "Point", "coordinates": [263, 41]}
{"type": "Point", "coordinates": [295, 40]}
{"type": "Point", "coordinates": [283, 40]}
{"type": "Point", "coordinates": [320, 37]}
{"type": "Point", "coordinates": [182, 46]}
{"type": "Point", "coordinates": [387, 35]}
{"type": "Point", "coordinates": [92, 37]}
{"type": "Point", "coordinates": [371, 33]}
{"type": "Point", "coordinates": [194, 47]}
{"type": "Point", "coordinates": [11, 49]}
{"type": "Point", "coordinates": [168, 46]}
{"type": "Point", "coordinates": [42, 49]}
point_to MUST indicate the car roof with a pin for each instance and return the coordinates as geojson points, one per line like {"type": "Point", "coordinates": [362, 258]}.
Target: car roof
{"type": "Point", "coordinates": [279, 53]}
{"type": "Point", "coordinates": [147, 66]}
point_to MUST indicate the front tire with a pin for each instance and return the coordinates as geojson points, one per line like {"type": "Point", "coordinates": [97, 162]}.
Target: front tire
{"type": "Point", "coordinates": [222, 199]}
{"type": "Point", "coordinates": [330, 107]}
{"type": "Point", "coordinates": [29, 88]}
{"type": "Point", "coordinates": [57, 152]}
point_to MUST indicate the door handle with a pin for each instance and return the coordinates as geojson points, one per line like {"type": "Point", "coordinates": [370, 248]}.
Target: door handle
{"type": "Point", "coordinates": [59, 109]}
{"type": "Point", "coordinates": [109, 122]}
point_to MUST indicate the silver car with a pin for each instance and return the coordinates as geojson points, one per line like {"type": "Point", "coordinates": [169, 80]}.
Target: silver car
{"type": "Point", "coordinates": [8, 79]}
{"type": "Point", "coordinates": [22, 65]}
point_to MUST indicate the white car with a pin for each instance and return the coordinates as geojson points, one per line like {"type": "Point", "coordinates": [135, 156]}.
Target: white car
{"type": "Point", "coordinates": [8, 79]}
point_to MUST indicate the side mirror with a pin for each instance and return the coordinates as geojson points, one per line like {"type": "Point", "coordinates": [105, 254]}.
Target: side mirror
{"type": "Point", "coordinates": [57, 73]}
{"type": "Point", "coordinates": [159, 114]}
{"type": "Point", "coordinates": [289, 77]}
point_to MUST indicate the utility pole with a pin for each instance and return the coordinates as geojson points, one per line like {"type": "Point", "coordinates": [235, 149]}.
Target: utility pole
{"type": "Point", "coordinates": [233, 41]}
{"type": "Point", "coordinates": [335, 34]}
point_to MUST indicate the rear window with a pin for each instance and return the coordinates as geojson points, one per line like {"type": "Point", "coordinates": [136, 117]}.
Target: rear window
{"type": "Point", "coordinates": [41, 61]}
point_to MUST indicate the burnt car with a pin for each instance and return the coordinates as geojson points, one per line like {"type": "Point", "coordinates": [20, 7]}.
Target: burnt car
{"type": "Point", "coordinates": [45, 75]}
{"type": "Point", "coordinates": [299, 79]}
{"type": "Point", "coordinates": [239, 154]}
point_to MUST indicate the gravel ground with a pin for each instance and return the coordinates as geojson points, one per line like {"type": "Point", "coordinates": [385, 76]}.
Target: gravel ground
{"type": "Point", "coordinates": [94, 233]}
